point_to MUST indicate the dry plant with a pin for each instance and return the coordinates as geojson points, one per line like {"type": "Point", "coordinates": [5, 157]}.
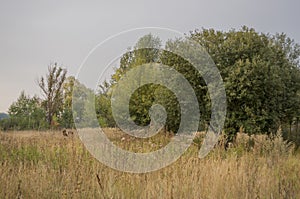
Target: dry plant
{"type": "Point", "coordinates": [49, 165]}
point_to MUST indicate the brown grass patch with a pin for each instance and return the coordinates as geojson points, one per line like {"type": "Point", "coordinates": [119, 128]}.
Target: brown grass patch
{"type": "Point", "coordinates": [49, 165]}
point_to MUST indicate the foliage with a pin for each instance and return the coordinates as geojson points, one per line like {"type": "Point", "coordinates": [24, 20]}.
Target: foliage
{"type": "Point", "coordinates": [260, 72]}
{"type": "Point", "coordinates": [25, 113]}
{"type": "Point", "coordinates": [52, 89]}
{"type": "Point", "coordinates": [54, 111]}
{"type": "Point", "coordinates": [261, 76]}
{"type": "Point", "coordinates": [66, 119]}
{"type": "Point", "coordinates": [145, 51]}
{"type": "Point", "coordinates": [103, 107]}
{"type": "Point", "coordinates": [83, 105]}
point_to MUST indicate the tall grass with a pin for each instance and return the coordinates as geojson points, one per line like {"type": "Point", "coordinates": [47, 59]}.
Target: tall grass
{"type": "Point", "coordinates": [48, 165]}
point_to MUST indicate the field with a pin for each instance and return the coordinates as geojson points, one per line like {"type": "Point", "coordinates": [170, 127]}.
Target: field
{"type": "Point", "coordinates": [49, 165]}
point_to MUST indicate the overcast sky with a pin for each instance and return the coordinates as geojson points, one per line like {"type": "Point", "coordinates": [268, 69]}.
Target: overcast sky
{"type": "Point", "coordinates": [35, 33]}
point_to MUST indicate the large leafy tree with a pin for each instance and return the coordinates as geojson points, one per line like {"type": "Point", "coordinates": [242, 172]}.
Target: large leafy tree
{"type": "Point", "coordinates": [261, 76]}
{"type": "Point", "coordinates": [52, 90]}
{"type": "Point", "coordinates": [146, 51]}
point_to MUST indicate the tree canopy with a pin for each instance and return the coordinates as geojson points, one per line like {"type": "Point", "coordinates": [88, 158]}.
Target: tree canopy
{"type": "Point", "coordinates": [25, 113]}
{"type": "Point", "coordinates": [260, 73]}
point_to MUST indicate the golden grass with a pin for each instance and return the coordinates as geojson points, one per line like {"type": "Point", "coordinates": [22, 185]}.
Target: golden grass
{"type": "Point", "coordinates": [48, 165]}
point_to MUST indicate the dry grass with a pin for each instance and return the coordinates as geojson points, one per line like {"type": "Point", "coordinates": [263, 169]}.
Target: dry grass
{"type": "Point", "coordinates": [48, 165]}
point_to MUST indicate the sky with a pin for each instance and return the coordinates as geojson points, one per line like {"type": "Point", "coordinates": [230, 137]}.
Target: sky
{"type": "Point", "coordinates": [34, 34]}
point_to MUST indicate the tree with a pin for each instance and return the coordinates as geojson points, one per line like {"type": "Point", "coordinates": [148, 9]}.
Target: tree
{"type": "Point", "coordinates": [192, 75]}
{"type": "Point", "coordinates": [145, 51]}
{"type": "Point", "coordinates": [261, 76]}
{"type": "Point", "coordinates": [52, 90]}
{"type": "Point", "coordinates": [26, 113]}
{"type": "Point", "coordinates": [66, 119]}
{"type": "Point", "coordinates": [103, 106]}
{"type": "Point", "coordinates": [83, 106]}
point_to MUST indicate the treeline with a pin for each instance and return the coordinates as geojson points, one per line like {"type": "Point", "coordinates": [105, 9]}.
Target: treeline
{"type": "Point", "coordinates": [260, 73]}
{"type": "Point", "coordinates": [51, 111]}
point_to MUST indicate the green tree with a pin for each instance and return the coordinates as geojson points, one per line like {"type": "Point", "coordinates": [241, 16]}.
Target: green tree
{"type": "Point", "coordinates": [261, 76]}
{"type": "Point", "coordinates": [103, 106]}
{"type": "Point", "coordinates": [26, 113]}
{"type": "Point", "coordinates": [66, 119]}
{"type": "Point", "coordinates": [145, 51]}
{"type": "Point", "coordinates": [192, 75]}
{"type": "Point", "coordinates": [83, 106]}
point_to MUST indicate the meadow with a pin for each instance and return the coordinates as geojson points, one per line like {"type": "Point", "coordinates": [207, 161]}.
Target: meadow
{"type": "Point", "coordinates": [49, 165]}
